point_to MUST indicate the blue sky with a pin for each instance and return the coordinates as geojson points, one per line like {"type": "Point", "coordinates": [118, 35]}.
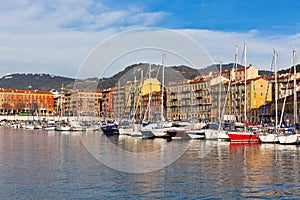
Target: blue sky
{"type": "Point", "coordinates": [57, 36]}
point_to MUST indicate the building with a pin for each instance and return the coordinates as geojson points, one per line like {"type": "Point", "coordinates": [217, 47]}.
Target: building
{"type": "Point", "coordinates": [285, 83]}
{"type": "Point", "coordinates": [259, 92]}
{"type": "Point", "coordinates": [188, 100]}
{"type": "Point", "coordinates": [106, 103]}
{"type": "Point", "coordinates": [78, 103]}
{"type": "Point", "coordinates": [26, 102]}
{"type": "Point", "coordinates": [238, 74]}
{"type": "Point", "coordinates": [119, 102]}
{"type": "Point", "coordinates": [218, 87]}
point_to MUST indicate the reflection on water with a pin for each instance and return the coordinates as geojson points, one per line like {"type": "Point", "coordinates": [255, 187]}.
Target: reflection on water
{"type": "Point", "coordinates": [52, 165]}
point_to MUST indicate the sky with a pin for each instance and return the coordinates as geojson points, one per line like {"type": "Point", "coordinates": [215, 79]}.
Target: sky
{"type": "Point", "coordinates": [58, 36]}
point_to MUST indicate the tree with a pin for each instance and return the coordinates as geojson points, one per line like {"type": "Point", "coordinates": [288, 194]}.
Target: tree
{"type": "Point", "coordinates": [19, 106]}
{"type": "Point", "coordinates": [6, 107]}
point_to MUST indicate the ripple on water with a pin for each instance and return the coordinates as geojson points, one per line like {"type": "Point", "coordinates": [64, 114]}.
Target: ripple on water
{"type": "Point", "coordinates": [38, 165]}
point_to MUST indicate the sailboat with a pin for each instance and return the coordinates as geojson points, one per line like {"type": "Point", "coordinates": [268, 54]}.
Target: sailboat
{"type": "Point", "coordinates": [214, 131]}
{"type": "Point", "coordinates": [153, 130]}
{"type": "Point", "coordinates": [272, 137]}
{"type": "Point", "coordinates": [292, 138]}
{"type": "Point", "coordinates": [130, 127]}
{"type": "Point", "coordinates": [243, 136]}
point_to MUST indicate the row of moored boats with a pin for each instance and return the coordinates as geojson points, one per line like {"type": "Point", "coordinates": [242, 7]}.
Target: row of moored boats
{"type": "Point", "coordinates": [210, 131]}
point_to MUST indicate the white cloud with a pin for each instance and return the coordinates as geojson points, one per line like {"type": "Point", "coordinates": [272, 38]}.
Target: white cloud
{"type": "Point", "coordinates": [221, 46]}
{"type": "Point", "coordinates": [56, 36]}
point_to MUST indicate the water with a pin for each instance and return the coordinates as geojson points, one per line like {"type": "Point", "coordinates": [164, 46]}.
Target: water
{"type": "Point", "coordinates": [52, 165]}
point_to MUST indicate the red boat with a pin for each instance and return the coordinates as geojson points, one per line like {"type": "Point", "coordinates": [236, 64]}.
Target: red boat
{"type": "Point", "coordinates": [241, 136]}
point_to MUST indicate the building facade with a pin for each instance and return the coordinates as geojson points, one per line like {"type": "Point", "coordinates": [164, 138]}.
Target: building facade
{"type": "Point", "coordinates": [26, 102]}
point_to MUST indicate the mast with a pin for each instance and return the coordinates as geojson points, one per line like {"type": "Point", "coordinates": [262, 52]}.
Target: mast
{"type": "Point", "coordinates": [162, 88]}
{"type": "Point", "coordinates": [245, 100]}
{"type": "Point", "coordinates": [276, 90]}
{"type": "Point", "coordinates": [235, 87]}
{"type": "Point", "coordinates": [295, 89]}
{"type": "Point", "coordinates": [119, 103]}
{"type": "Point", "coordinates": [220, 93]}
{"type": "Point", "coordinates": [141, 94]}
{"type": "Point", "coordinates": [148, 108]}
{"type": "Point", "coordinates": [133, 99]}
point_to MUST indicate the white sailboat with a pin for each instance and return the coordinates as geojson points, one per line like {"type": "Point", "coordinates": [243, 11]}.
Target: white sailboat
{"type": "Point", "coordinates": [272, 137]}
{"type": "Point", "coordinates": [294, 138]}
{"type": "Point", "coordinates": [49, 126]}
{"type": "Point", "coordinates": [157, 129]}
{"type": "Point", "coordinates": [130, 127]}
{"type": "Point", "coordinates": [212, 131]}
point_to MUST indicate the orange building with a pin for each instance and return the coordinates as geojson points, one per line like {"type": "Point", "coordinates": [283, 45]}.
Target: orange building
{"type": "Point", "coordinates": [26, 101]}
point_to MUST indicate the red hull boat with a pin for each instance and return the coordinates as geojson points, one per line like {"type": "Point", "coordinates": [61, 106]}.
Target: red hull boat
{"type": "Point", "coordinates": [243, 137]}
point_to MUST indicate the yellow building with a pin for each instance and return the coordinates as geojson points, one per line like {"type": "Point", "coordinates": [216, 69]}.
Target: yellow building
{"type": "Point", "coordinates": [258, 92]}
{"type": "Point", "coordinates": [256, 97]}
{"type": "Point", "coordinates": [152, 85]}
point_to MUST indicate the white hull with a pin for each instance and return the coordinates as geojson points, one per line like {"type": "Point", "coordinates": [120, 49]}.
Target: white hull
{"type": "Point", "coordinates": [29, 127]}
{"type": "Point", "coordinates": [211, 134]}
{"type": "Point", "coordinates": [48, 128]}
{"type": "Point", "coordinates": [15, 126]}
{"type": "Point", "coordinates": [38, 127]}
{"type": "Point", "coordinates": [154, 130]}
{"type": "Point", "coordinates": [268, 138]}
{"type": "Point", "coordinates": [79, 128]}
{"type": "Point", "coordinates": [196, 134]}
{"type": "Point", "coordinates": [289, 139]}
{"type": "Point", "coordinates": [160, 132]}
{"type": "Point", "coordinates": [63, 128]}
{"type": "Point", "coordinates": [124, 131]}
{"type": "Point", "coordinates": [136, 133]}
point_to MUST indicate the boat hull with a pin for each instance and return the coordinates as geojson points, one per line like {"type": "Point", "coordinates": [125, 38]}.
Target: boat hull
{"type": "Point", "coordinates": [63, 128]}
{"type": "Point", "coordinates": [173, 133]}
{"type": "Point", "coordinates": [196, 134]}
{"type": "Point", "coordinates": [243, 137]}
{"type": "Point", "coordinates": [268, 138]}
{"type": "Point", "coordinates": [48, 128]}
{"type": "Point", "coordinates": [289, 139]}
{"type": "Point", "coordinates": [215, 135]}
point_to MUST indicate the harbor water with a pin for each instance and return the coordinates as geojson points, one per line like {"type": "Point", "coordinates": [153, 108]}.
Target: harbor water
{"type": "Point", "coordinates": [36, 164]}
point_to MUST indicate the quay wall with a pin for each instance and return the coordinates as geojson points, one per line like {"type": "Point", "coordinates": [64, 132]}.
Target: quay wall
{"type": "Point", "coordinates": [47, 118]}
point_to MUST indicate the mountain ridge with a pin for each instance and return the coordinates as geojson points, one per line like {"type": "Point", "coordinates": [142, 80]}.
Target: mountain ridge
{"type": "Point", "coordinates": [42, 81]}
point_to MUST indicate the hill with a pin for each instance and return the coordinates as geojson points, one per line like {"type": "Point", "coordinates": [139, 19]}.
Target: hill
{"type": "Point", "coordinates": [285, 71]}
{"type": "Point", "coordinates": [34, 81]}
{"type": "Point", "coordinates": [130, 73]}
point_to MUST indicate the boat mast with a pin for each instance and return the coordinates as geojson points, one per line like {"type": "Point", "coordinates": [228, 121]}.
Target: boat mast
{"type": "Point", "coordinates": [245, 99]}
{"type": "Point", "coordinates": [119, 103]}
{"type": "Point", "coordinates": [162, 88]}
{"type": "Point", "coordinates": [235, 85]}
{"type": "Point", "coordinates": [220, 93]}
{"type": "Point", "coordinates": [276, 90]}
{"type": "Point", "coordinates": [295, 89]}
{"type": "Point", "coordinates": [141, 94]}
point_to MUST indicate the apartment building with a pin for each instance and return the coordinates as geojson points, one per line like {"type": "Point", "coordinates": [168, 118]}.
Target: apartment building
{"type": "Point", "coordinates": [26, 102]}
{"type": "Point", "coordinates": [188, 100]}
